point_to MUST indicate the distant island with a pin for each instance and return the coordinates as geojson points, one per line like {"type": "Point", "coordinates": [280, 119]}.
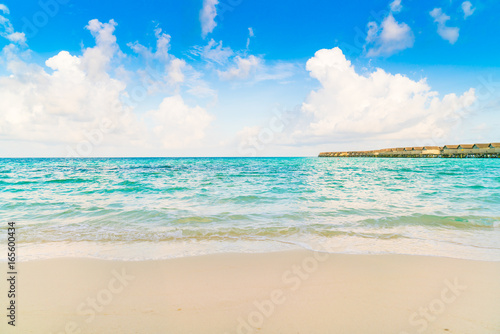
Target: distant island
{"type": "Point", "coordinates": [491, 150]}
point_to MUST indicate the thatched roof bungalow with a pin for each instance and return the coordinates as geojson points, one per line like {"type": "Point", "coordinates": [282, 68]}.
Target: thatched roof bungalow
{"type": "Point", "coordinates": [408, 151]}
{"type": "Point", "coordinates": [417, 150]}
{"type": "Point", "coordinates": [495, 147]}
{"type": "Point", "coordinates": [481, 148]}
{"type": "Point", "coordinates": [463, 150]}
{"type": "Point", "coordinates": [398, 151]}
{"type": "Point", "coordinates": [431, 150]}
{"type": "Point", "coordinates": [450, 149]}
{"type": "Point", "coordinates": [386, 152]}
{"type": "Point", "coordinates": [466, 148]}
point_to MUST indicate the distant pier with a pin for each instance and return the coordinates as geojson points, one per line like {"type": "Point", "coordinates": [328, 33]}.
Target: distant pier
{"type": "Point", "coordinates": [491, 150]}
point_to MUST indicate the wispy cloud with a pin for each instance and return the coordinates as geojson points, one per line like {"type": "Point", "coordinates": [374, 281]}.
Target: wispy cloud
{"type": "Point", "coordinates": [4, 9]}
{"type": "Point", "coordinates": [390, 36]}
{"type": "Point", "coordinates": [7, 30]}
{"type": "Point", "coordinates": [447, 33]}
{"type": "Point", "coordinates": [162, 47]}
{"type": "Point", "coordinates": [467, 9]}
{"type": "Point", "coordinates": [396, 6]}
{"type": "Point", "coordinates": [242, 69]}
{"type": "Point", "coordinates": [213, 52]}
{"type": "Point", "coordinates": [250, 35]}
{"type": "Point", "coordinates": [207, 16]}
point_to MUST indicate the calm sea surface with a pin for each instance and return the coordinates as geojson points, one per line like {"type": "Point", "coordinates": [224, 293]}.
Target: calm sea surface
{"type": "Point", "coordinates": [156, 208]}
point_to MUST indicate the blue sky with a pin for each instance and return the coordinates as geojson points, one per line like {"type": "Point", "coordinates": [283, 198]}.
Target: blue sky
{"type": "Point", "coordinates": [245, 78]}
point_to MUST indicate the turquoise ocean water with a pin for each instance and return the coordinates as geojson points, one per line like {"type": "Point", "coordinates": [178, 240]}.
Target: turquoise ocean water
{"type": "Point", "coordinates": [152, 208]}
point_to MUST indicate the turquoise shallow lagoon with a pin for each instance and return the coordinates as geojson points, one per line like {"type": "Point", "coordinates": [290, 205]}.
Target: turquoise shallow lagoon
{"type": "Point", "coordinates": [152, 208]}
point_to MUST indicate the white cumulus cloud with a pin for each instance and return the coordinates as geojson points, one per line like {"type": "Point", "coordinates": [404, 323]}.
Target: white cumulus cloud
{"type": "Point", "coordinates": [66, 101]}
{"type": "Point", "coordinates": [178, 125]}
{"type": "Point", "coordinates": [447, 33]}
{"type": "Point", "coordinates": [350, 106]}
{"type": "Point", "coordinates": [207, 17]}
{"type": "Point", "coordinates": [42, 106]}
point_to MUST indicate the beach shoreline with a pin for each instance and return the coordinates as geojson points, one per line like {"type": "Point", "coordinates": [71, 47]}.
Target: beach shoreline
{"type": "Point", "coordinates": [281, 292]}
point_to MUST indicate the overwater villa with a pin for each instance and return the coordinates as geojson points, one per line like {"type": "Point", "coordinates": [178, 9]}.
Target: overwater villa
{"type": "Point", "coordinates": [491, 150]}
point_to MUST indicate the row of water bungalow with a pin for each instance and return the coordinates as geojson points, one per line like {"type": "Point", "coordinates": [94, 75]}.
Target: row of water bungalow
{"type": "Point", "coordinates": [491, 150]}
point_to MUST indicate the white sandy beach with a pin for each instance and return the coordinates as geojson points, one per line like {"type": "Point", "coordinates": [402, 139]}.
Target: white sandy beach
{"type": "Point", "coordinates": [284, 292]}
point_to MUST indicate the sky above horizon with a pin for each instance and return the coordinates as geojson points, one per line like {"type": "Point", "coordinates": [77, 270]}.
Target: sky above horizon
{"type": "Point", "coordinates": [245, 77]}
